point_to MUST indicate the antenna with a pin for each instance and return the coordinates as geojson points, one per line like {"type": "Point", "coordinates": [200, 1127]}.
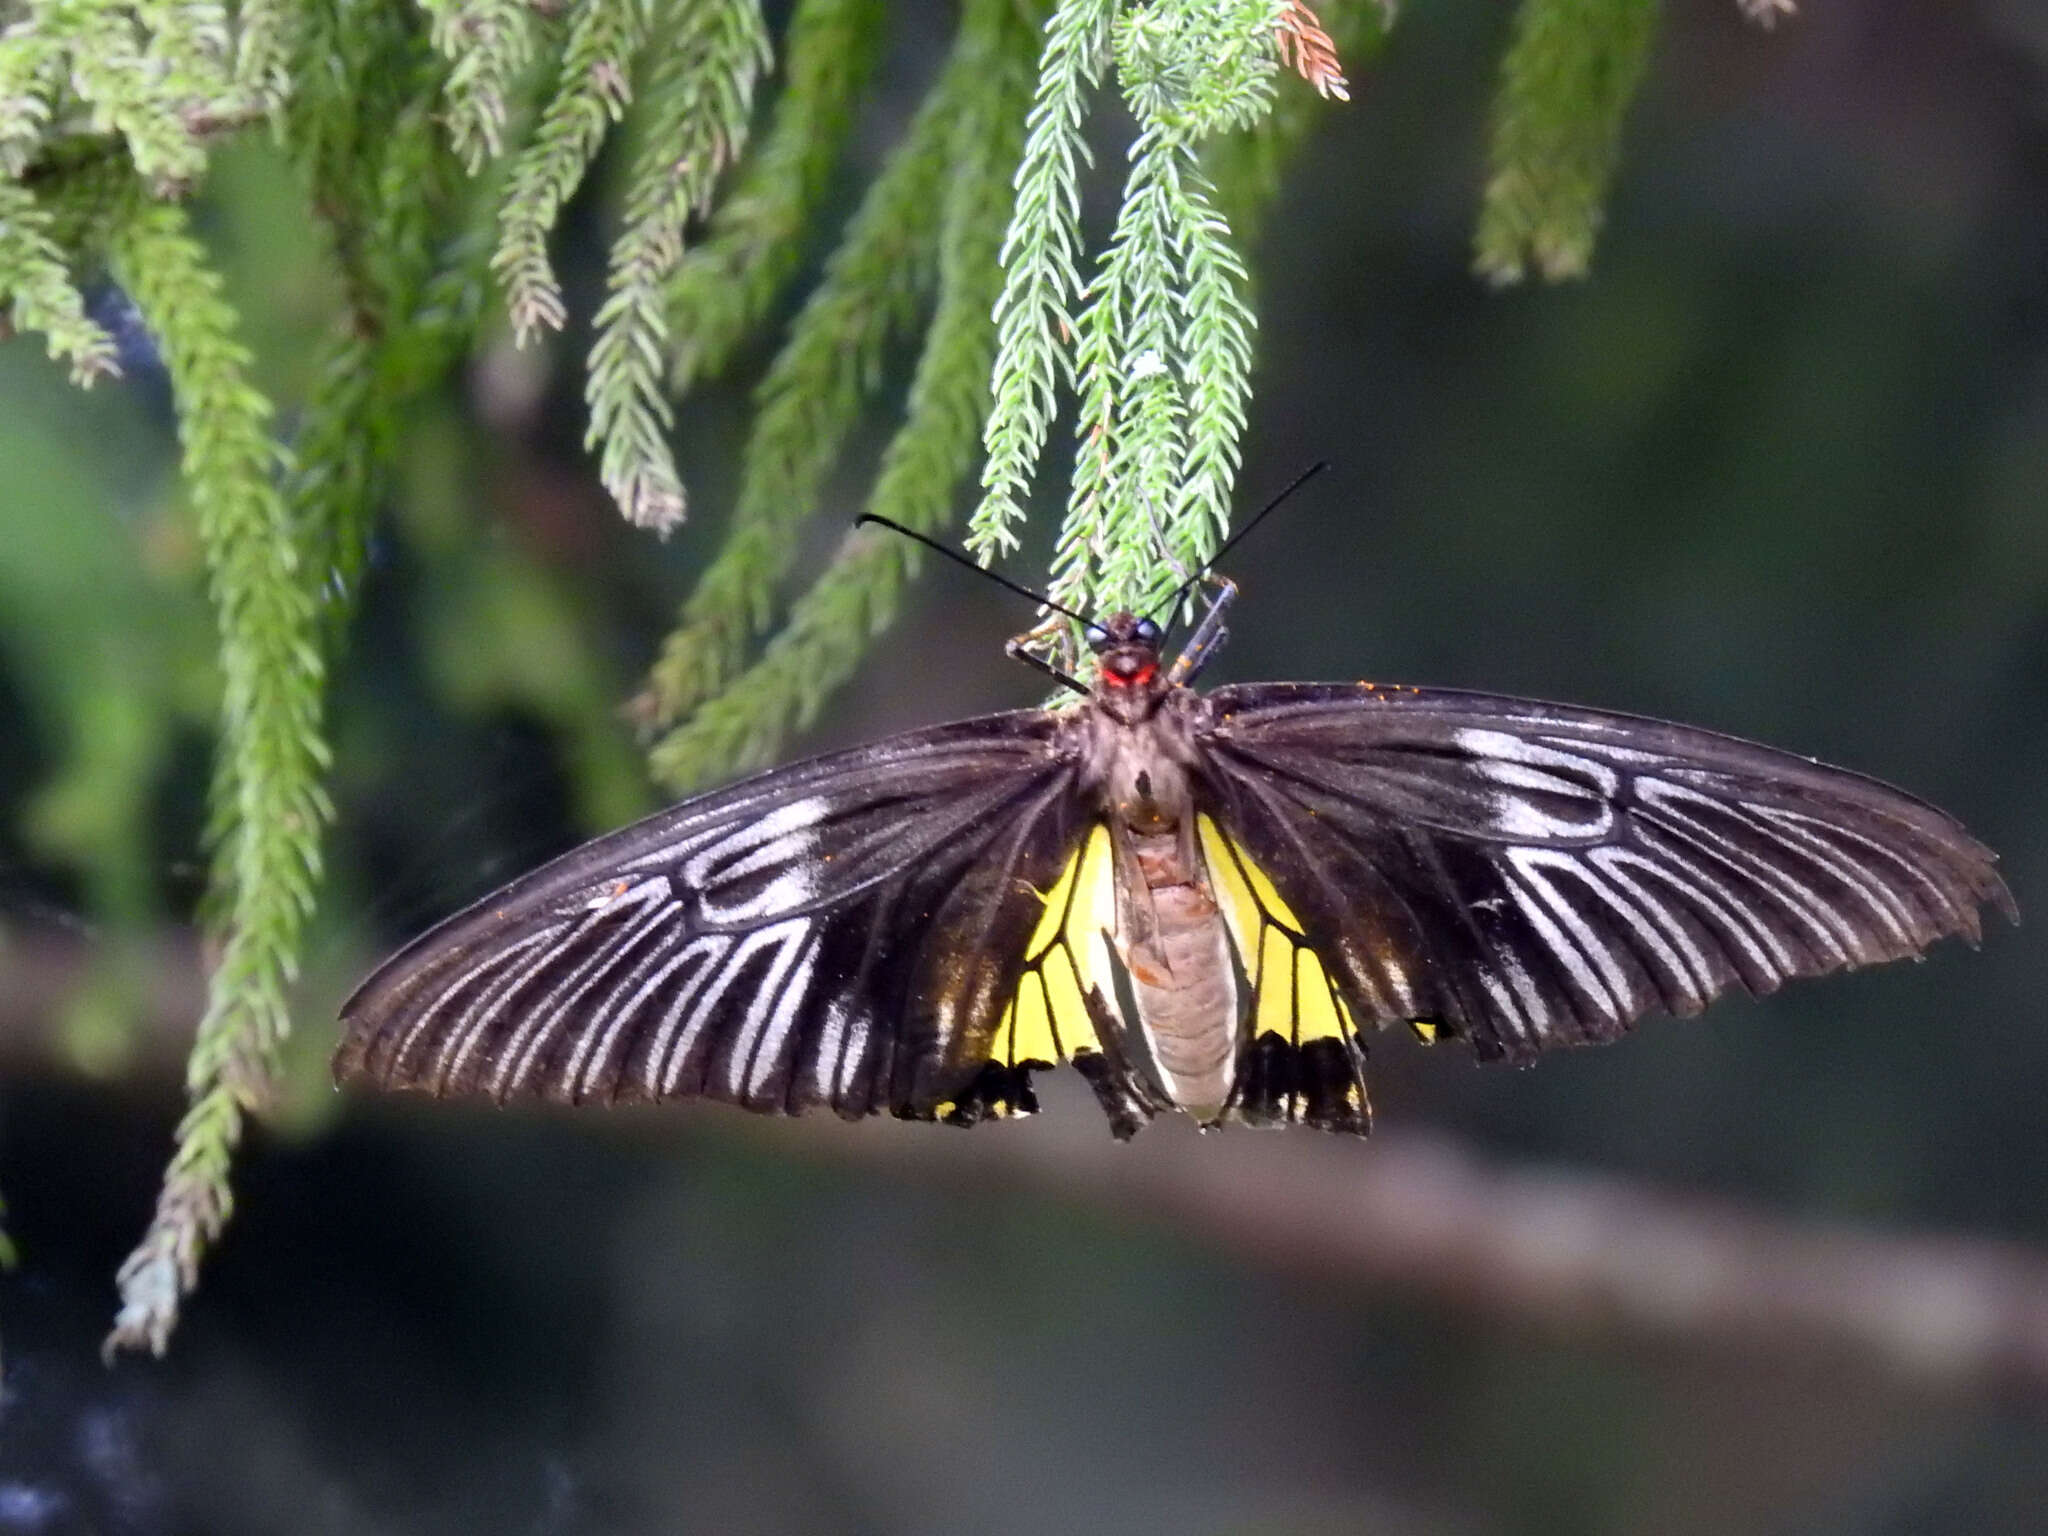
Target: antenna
{"type": "Point", "coordinates": [980, 570]}
{"type": "Point", "coordinates": [1237, 538]}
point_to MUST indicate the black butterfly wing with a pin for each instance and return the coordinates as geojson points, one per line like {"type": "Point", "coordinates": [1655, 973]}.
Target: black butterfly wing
{"type": "Point", "coordinates": [1525, 875]}
{"type": "Point", "coordinates": [846, 931]}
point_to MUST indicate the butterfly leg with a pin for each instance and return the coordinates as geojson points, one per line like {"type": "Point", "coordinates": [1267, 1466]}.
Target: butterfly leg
{"type": "Point", "coordinates": [1209, 635]}
{"type": "Point", "coordinates": [1018, 648]}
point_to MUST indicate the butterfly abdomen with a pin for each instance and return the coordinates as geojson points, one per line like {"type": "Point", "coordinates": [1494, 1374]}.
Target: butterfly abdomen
{"type": "Point", "coordinates": [1181, 976]}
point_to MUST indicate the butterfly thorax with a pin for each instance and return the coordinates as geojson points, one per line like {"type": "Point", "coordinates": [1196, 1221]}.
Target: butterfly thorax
{"type": "Point", "coordinates": [1139, 744]}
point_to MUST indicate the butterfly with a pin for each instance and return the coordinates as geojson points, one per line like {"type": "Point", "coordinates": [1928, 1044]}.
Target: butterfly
{"type": "Point", "coordinates": [1205, 902]}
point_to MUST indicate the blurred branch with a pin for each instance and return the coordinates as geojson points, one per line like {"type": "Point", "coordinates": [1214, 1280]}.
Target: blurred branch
{"type": "Point", "coordinates": [1583, 1253]}
{"type": "Point", "coordinates": [1588, 1254]}
{"type": "Point", "coordinates": [46, 968]}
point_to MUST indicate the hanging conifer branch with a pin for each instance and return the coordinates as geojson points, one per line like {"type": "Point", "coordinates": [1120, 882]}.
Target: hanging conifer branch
{"type": "Point", "coordinates": [1310, 51]}
{"type": "Point", "coordinates": [724, 286]}
{"type": "Point", "coordinates": [141, 88]}
{"type": "Point", "coordinates": [490, 44]}
{"type": "Point", "coordinates": [265, 34]}
{"type": "Point", "coordinates": [592, 92]}
{"type": "Point", "coordinates": [411, 267]}
{"type": "Point", "coordinates": [699, 97]}
{"type": "Point", "coordinates": [269, 806]}
{"type": "Point", "coordinates": [1041, 284]}
{"type": "Point", "coordinates": [832, 624]}
{"type": "Point", "coordinates": [188, 47]}
{"type": "Point", "coordinates": [873, 285]}
{"type": "Point", "coordinates": [36, 285]}
{"type": "Point", "coordinates": [32, 66]}
{"type": "Point", "coordinates": [1245, 167]}
{"type": "Point", "coordinates": [1217, 343]}
{"type": "Point", "coordinates": [1565, 87]}
{"type": "Point", "coordinates": [1132, 414]}
{"type": "Point", "coordinates": [1162, 347]}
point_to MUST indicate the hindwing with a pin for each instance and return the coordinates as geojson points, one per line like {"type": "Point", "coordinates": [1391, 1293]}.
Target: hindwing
{"type": "Point", "coordinates": [1523, 875]}
{"type": "Point", "coordinates": [849, 932]}
{"type": "Point", "coordinates": [1062, 1004]}
{"type": "Point", "coordinates": [1300, 1060]}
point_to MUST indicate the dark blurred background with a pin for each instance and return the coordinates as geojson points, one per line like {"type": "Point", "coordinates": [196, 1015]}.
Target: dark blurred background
{"type": "Point", "coordinates": [1777, 469]}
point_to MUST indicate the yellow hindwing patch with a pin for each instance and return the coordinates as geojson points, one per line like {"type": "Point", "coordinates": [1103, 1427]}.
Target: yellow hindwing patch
{"type": "Point", "coordinates": [1047, 1020]}
{"type": "Point", "coordinates": [1292, 993]}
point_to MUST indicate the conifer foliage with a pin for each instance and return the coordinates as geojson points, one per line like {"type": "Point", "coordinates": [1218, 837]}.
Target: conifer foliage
{"type": "Point", "coordinates": [437, 143]}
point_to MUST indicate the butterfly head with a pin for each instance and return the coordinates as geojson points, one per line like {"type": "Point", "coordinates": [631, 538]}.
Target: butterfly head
{"type": "Point", "coordinates": [1127, 651]}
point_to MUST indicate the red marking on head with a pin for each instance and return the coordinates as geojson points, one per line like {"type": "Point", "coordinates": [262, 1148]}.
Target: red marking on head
{"type": "Point", "coordinates": [1138, 676]}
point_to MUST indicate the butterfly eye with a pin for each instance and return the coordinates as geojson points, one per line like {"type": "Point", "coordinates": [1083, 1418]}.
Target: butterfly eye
{"type": "Point", "coordinates": [1147, 632]}
{"type": "Point", "coordinates": [1096, 636]}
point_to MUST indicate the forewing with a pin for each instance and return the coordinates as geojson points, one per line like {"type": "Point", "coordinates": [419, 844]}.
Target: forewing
{"type": "Point", "coordinates": [846, 931]}
{"type": "Point", "coordinates": [1526, 875]}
